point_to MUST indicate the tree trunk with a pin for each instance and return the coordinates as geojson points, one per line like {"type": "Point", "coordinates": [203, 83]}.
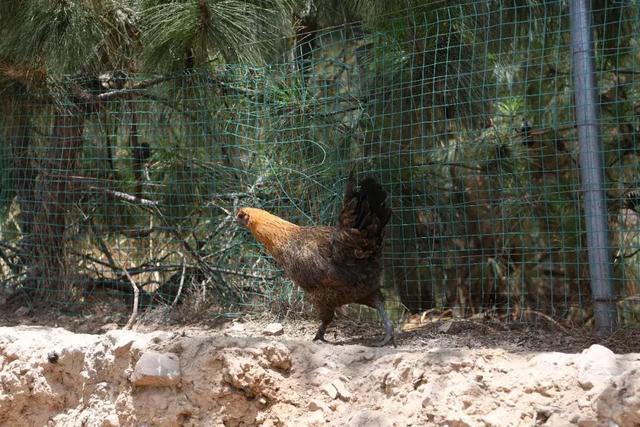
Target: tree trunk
{"type": "Point", "coordinates": [53, 198]}
{"type": "Point", "coordinates": [140, 152]}
{"type": "Point", "coordinates": [24, 172]}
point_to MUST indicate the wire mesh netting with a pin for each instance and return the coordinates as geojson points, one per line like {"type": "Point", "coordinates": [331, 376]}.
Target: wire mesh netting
{"type": "Point", "coordinates": [465, 114]}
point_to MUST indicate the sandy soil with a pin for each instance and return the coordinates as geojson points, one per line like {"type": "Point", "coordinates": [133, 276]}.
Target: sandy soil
{"type": "Point", "coordinates": [446, 372]}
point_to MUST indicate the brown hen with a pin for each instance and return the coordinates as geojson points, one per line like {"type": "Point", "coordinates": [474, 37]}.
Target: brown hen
{"type": "Point", "coordinates": [333, 265]}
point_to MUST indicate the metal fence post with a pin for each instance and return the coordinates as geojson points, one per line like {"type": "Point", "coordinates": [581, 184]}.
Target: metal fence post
{"type": "Point", "coordinates": [591, 165]}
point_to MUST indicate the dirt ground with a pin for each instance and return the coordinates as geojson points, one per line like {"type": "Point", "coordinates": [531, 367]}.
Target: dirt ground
{"type": "Point", "coordinates": [85, 370]}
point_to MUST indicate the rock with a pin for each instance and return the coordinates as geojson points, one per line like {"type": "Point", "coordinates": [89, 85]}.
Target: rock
{"type": "Point", "coordinates": [367, 418]}
{"type": "Point", "coordinates": [584, 421]}
{"type": "Point", "coordinates": [342, 390]}
{"type": "Point", "coordinates": [544, 388]}
{"type": "Point", "coordinates": [391, 382]}
{"type": "Point", "coordinates": [237, 327]}
{"type": "Point", "coordinates": [330, 390]}
{"type": "Point", "coordinates": [429, 393]}
{"type": "Point", "coordinates": [417, 377]}
{"type": "Point", "coordinates": [412, 405]}
{"type": "Point", "coordinates": [53, 356]}
{"type": "Point", "coordinates": [445, 327]}
{"type": "Point", "coordinates": [278, 355]}
{"type": "Point", "coordinates": [619, 402]}
{"type": "Point", "coordinates": [458, 421]}
{"type": "Point", "coordinates": [155, 369]}
{"type": "Point", "coordinates": [596, 366]}
{"type": "Point", "coordinates": [22, 311]}
{"type": "Point", "coordinates": [319, 376]}
{"type": "Point", "coordinates": [111, 421]}
{"type": "Point", "coordinates": [332, 364]}
{"type": "Point", "coordinates": [273, 329]}
{"type": "Point", "coordinates": [122, 340]}
{"type": "Point", "coordinates": [316, 405]}
{"type": "Point", "coordinates": [497, 417]}
{"type": "Point", "coordinates": [316, 419]}
{"type": "Point", "coordinates": [270, 423]}
{"type": "Point", "coordinates": [72, 358]}
{"type": "Point", "coordinates": [109, 327]}
{"type": "Point", "coordinates": [558, 420]}
{"type": "Point", "coordinates": [250, 372]}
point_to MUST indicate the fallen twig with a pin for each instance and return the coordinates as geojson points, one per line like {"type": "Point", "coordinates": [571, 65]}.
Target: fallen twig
{"type": "Point", "coordinates": [136, 298]}
{"type": "Point", "coordinates": [548, 319]}
{"type": "Point", "coordinates": [184, 267]}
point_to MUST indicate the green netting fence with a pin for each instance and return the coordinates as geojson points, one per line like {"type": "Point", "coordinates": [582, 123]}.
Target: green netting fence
{"type": "Point", "coordinates": [465, 114]}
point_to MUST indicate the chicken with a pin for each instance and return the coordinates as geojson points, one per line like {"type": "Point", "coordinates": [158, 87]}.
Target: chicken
{"type": "Point", "coordinates": [333, 265]}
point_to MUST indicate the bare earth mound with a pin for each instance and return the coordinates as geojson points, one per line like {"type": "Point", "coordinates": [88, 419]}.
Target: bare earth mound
{"type": "Point", "coordinates": [50, 376]}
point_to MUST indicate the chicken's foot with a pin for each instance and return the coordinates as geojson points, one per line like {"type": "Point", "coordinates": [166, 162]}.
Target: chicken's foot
{"type": "Point", "coordinates": [388, 326]}
{"type": "Point", "coordinates": [320, 337]}
{"type": "Point", "coordinates": [321, 330]}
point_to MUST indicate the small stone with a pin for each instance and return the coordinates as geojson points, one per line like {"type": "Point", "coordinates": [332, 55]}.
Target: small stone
{"type": "Point", "coordinates": [156, 369]}
{"type": "Point", "coordinates": [444, 328]}
{"type": "Point", "coordinates": [273, 329]}
{"type": "Point", "coordinates": [330, 390]}
{"type": "Point", "coordinates": [315, 405]}
{"type": "Point", "coordinates": [460, 420]}
{"type": "Point", "coordinates": [331, 364]}
{"type": "Point", "coordinates": [585, 421]}
{"type": "Point", "coordinates": [22, 311]}
{"type": "Point", "coordinates": [342, 390]}
{"type": "Point", "coordinates": [53, 356]}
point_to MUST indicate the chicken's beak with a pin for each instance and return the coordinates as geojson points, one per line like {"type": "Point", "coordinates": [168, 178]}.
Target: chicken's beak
{"type": "Point", "coordinates": [242, 218]}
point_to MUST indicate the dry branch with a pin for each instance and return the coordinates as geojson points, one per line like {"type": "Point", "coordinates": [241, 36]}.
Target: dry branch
{"type": "Point", "coordinates": [136, 298]}
{"type": "Point", "coordinates": [184, 267]}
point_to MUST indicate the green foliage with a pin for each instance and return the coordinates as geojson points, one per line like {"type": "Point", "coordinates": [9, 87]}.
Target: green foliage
{"type": "Point", "coordinates": [67, 37]}
{"type": "Point", "coordinates": [175, 33]}
{"type": "Point", "coordinates": [7, 190]}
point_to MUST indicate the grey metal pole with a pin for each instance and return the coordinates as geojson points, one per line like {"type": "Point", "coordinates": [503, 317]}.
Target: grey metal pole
{"type": "Point", "coordinates": [591, 165]}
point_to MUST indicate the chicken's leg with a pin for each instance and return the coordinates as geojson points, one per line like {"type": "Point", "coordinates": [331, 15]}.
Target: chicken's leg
{"type": "Point", "coordinates": [327, 317]}
{"type": "Point", "coordinates": [320, 334]}
{"type": "Point", "coordinates": [388, 326]}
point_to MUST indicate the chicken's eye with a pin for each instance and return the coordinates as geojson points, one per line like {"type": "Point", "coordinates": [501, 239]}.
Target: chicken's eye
{"type": "Point", "coordinates": [243, 218]}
